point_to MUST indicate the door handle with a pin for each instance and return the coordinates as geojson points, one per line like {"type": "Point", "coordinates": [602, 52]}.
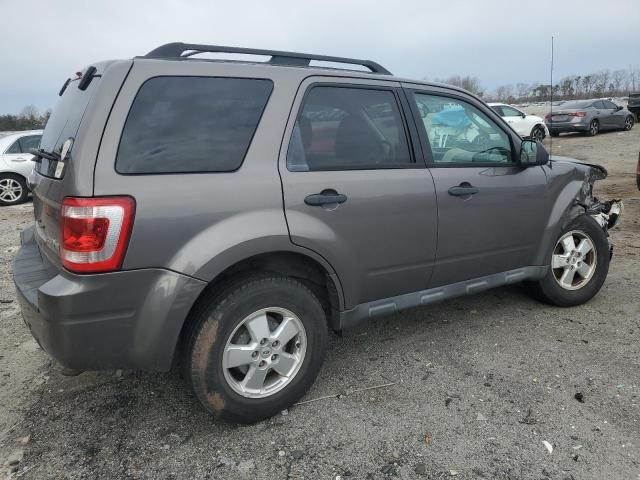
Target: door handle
{"type": "Point", "coordinates": [326, 197]}
{"type": "Point", "coordinates": [20, 159]}
{"type": "Point", "coordinates": [463, 190]}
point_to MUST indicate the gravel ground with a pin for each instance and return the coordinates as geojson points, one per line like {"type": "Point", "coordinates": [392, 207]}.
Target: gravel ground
{"type": "Point", "coordinates": [478, 385]}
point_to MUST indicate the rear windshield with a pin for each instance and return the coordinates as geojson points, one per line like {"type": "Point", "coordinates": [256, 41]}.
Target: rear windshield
{"type": "Point", "coordinates": [191, 124]}
{"type": "Point", "coordinates": [577, 104]}
{"type": "Point", "coordinates": [66, 116]}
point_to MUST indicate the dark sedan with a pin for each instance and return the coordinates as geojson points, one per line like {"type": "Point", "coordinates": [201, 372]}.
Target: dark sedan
{"type": "Point", "coordinates": [589, 117]}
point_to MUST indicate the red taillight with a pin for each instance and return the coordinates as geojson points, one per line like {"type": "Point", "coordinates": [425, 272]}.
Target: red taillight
{"type": "Point", "coordinates": [547, 116]}
{"type": "Point", "coordinates": [95, 233]}
{"type": "Point", "coordinates": [578, 114]}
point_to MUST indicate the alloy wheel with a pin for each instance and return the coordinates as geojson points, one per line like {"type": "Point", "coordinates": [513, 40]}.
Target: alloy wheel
{"type": "Point", "coordinates": [628, 123]}
{"type": "Point", "coordinates": [574, 260]}
{"type": "Point", "coordinates": [10, 190]}
{"type": "Point", "coordinates": [593, 128]}
{"type": "Point", "coordinates": [264, 352]}
{"type": "Point", "coordinates": [538, 134]}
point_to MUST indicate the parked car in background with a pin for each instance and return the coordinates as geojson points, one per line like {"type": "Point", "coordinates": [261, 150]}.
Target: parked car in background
{"type": "Point", "coordinates": [589, 117]}
{"type": "Point", "coordinates": [301, 199]}
{"type": "Point", "coordinates": [16, 165]}
{"type": "Point", "coordinates": [633, 104]}
{"type": "Point", "coordinates": [524, 124]}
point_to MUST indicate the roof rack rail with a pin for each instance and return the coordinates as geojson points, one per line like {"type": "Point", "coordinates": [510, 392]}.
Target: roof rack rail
{"type": "Point", "coordinates": [178, 49]}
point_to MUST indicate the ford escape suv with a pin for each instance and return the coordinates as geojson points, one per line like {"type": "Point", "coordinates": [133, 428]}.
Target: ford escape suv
{"type": "Point", "coordinates": [228, 213]}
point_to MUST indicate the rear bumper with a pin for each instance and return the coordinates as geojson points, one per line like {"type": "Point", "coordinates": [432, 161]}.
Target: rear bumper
{"type": "Point", "coordinates": [129, 319]}
{"type": "Point", "coordinates": [567, 127]}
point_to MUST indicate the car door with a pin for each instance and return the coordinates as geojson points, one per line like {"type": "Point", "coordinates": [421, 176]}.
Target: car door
{"type": "Point", "coordinates": [353, 190]}
{"type": "Point", "coordinates": [491, 210]}
{"type": "Point", "coordinates": [604, 115]}
{"type": "Point", "coordinates": [17, 156]}
{"type": "Point", "coordinates": [517, 120]}
{"type": "Point", "coordinates": [617, 115]}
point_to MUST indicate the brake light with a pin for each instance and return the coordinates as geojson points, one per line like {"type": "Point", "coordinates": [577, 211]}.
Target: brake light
{"type": "Point", "coordinates": [95, 233]}
{"type": "Point", "coordinates": [578, 114]}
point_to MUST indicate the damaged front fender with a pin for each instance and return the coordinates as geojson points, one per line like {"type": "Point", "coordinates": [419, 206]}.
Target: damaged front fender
{"type": "Point", "coordinates": [570, 194]}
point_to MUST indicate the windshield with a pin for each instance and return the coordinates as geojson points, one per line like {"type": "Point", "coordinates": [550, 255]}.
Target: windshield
{"type": "Point", "coordinates": [66, 117]}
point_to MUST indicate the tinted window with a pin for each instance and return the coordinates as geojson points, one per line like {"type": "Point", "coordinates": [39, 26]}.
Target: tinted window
{"type": "Point", "coordinates": [458, 132]}
{"type": "Point", "coordinates": [510, 112]}
{"type": "Point", "coordinates": [27, 143]}
{"type": "Point", "coordinates": [576, 104]}
{"type": "Point", "coordinates": [599, 104]}
{"type": "Point", "coordinates": [348, 128]}
{"type": "Point", "coordinates": [14, 148]}
{"type": "Point", "coordinates": [191, 124]}
{"type": "Point", "coordinates": [497, 109]}
{"type": "Point", "coordinates": [609, 105]}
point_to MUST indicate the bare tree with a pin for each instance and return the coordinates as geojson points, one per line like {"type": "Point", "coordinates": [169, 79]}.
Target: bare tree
{"type": "Point", "coordinates": [617, 78]}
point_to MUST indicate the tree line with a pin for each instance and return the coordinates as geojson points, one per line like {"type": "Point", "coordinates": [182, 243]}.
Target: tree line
{"type": "Point", "coordinates": [604, 83]}
{"type": "Point", "coordinates": [29, 118]}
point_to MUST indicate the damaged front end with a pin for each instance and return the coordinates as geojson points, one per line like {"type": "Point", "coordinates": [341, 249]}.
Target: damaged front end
{"type": "Point", "coordinates": [607, 213]}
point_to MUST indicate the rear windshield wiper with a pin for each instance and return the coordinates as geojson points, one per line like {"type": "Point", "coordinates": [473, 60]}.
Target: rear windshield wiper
{"type": "Point", "coordinates": [41, 153]}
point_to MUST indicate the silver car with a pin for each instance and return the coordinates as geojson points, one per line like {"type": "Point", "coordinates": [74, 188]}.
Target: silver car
{"type": "Point", "coordinates": [589, 117]}
{"type": "Point", "coordinates": [16, 164]}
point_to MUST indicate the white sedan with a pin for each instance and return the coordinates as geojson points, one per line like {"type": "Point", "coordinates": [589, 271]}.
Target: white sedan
{"type": "Point", "coordinates": [525, 125]}
{"type": "Point", "coordinates": [16, 164]}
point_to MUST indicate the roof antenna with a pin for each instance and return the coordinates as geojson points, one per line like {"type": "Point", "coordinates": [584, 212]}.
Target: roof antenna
{"type": "Point", "coordinates": [551, 100]}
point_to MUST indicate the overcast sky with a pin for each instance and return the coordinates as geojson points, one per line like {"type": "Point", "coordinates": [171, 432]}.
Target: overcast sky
{"type": "Point", "coordinates": [499, 41]}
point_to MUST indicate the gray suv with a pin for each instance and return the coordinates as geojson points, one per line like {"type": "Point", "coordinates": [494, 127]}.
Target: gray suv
{"type": "Point", "coordinates": [225, 215]}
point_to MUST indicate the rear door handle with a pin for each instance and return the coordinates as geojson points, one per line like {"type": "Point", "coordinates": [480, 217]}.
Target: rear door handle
{"type": "Point", "coordinates": [326, 197]}
{"type": "Point", "coordinates": [463, 190]}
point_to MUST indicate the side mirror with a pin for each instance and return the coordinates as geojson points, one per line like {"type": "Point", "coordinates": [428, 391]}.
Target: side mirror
{"type": "Point", "coordinates": [533, 153]}
{"type": "Point", "coordinates": [619, 107]}
{"type": "Point", "coordinates": [524, 115]}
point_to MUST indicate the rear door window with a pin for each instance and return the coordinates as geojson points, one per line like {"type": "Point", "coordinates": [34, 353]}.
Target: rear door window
{"type": "Point", "coordinates": [347, 128]}
{"type": "Point", "coordinates": [24, 144]}
{"type": "Point", "coordinates": [191, 124]}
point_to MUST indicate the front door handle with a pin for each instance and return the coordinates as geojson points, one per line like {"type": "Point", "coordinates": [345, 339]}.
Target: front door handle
{"type": "Point", "coordinates": [326, 197]}
{"type": "Point", "coordinates": [463, 190]}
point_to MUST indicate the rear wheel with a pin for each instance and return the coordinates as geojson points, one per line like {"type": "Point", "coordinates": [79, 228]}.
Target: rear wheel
{"type": "Point", "coordinates": [594, 128]}
{"type": "Point", "coordinates": [13, 189]}
{"type": "Point", "coordinates": [256, 349]}
{"type": "Point", "coordinates": [537, 133]}
{"type": "Point", "coordinates": [628, 123]}
{"type": "Point", "coordinates": [578, 265]}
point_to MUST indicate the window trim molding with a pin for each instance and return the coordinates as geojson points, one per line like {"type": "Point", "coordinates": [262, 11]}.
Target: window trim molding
{"type": "Point", "coordinates": [488, 112]}
{"type": "Point", "coordinates": [404, 118]}
{"type": "Point", "coordinates": [191, 172]}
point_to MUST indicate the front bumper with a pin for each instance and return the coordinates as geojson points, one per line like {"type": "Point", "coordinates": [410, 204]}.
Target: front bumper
{"type": "Point", "coordinates": [129, 319]}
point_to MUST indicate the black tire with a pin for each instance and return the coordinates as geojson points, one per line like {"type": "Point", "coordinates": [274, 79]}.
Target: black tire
{"type": "Point", "coordinates": [594, 128]}
{"type": "Point", "coordinates": [217, 319]}
{"type": "Point", "coordinates": [549, 290]}
{"type": "Point", "coordinates": [13, 179]}
{"type": "Point", "coordinates": [537, 133]}
{"type": "Point", "coordinates": [628, 123]}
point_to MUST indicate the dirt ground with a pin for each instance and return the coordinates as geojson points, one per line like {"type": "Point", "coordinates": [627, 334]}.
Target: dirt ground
{"type": "Point", "coordinates": [478, 384]}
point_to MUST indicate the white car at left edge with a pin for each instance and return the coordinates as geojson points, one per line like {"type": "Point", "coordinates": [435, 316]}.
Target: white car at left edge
{"type": "Point", "coordinates": [524, 124]}
{"type": "Point", "coordinates": [16, 164]}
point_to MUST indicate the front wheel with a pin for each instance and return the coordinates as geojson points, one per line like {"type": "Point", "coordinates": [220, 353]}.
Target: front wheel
{"type": "Point", "coordinates": [256, 348]}
{"type": "Point", "coordinates": [578, 265]}
{"type": "Point", "coordinates": [628, 123]}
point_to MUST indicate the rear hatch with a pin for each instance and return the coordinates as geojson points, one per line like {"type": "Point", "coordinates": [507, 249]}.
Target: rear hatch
{"type": "Point", "coordinates": [78, 119]}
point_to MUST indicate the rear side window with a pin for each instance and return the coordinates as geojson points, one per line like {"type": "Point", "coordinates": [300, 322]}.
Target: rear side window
{"type": "Point", "coordinates": [345, 128]}
{"type": "Point", "coordinates": [24, 144]}
{"type": "Point", "coordinates": [191, 124]}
